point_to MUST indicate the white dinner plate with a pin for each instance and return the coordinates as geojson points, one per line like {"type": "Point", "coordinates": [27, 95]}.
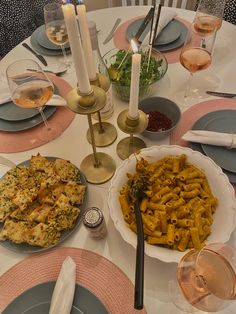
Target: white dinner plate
{"type": "Point", "coordinates": [219, 121]}
{"type": "Point", "coordinates": [27, 248]}
{"type": "Point", "coordinates": [224, 217]}
{"type": "Point", "coordinates": [36, 300]}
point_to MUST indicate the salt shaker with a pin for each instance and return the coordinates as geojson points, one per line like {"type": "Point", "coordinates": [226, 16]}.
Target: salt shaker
{"type": "Point", "coordinates": [94, 222]}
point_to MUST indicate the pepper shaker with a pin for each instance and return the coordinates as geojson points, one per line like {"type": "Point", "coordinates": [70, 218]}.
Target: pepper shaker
{"type": "Point", "coordinates": [94, 222]}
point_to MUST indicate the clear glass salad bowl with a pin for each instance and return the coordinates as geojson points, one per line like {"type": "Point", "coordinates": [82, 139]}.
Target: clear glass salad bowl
{"type": "Point", "coordinates": [119, 61]}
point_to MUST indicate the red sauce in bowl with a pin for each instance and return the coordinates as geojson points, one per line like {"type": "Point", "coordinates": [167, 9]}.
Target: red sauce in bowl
{"type": "Point", "coordinates": [158, 121]}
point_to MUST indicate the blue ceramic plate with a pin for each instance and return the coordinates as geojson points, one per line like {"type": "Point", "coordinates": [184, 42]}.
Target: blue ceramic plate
{"type": "Point", "coordinates": [201, 123]}
{"type": "Point", "coordinates": [37, 301]}
{"type": "Point", "coordinates": [26, 248]}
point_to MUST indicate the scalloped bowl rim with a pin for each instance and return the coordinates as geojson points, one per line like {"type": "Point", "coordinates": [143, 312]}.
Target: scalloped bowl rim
{"type": "Point", "coordinates": [220, 185]}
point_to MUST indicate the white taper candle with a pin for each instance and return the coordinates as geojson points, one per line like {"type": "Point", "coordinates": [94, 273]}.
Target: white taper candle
{"type": "Point", "coordinates": [134, 86]}
{"type": "Point", "coordinates": [76, 48]}
{"type": "Point", "coordinates": [86, 42]}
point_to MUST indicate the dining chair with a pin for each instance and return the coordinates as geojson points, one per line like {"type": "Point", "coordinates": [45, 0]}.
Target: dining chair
{"type": "Point", "coordinates": [168, 3]}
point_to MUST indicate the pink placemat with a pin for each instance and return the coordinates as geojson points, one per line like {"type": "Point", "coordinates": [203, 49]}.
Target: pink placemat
{"type": "Point", "coordinates": [14, 142]}
{"type": "Point", "coordinates": [121, 42]}
{"type": "Point", "coordinates": [191, 115]}
{"type": "Point", "coordinates": [94, 272]}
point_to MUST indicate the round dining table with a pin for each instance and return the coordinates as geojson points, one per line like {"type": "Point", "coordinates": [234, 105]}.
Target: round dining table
{"type": "Point", "coordinates": [72, 145]}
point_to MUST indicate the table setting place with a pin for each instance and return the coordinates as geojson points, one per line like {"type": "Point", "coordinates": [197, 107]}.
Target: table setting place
{"type": "Point", "coordinates": [117, 196]}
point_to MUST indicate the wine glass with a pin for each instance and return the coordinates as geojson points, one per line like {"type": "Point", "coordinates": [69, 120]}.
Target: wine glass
{"type": "Point", "coordinates": [209, 15]}
{"type": "Point", "coordinates": [205, 279]}
{"type": "Point", "coordinates": [31, 88]}
{"type": "Point", "coordinates": [56, 28]}
{"type": "Point", "coordinates": [195, 56]}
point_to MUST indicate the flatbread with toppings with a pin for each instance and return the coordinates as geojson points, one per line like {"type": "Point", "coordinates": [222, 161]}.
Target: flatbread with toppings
{"type": "Point", "coordinates": [40, 200]}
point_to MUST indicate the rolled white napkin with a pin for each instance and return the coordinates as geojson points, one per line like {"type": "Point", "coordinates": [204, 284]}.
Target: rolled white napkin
{"type": "Point", "coordinates": [63, 293]}
{"type": "Point", "coordinates": [211, 138]}
{"type": "Point", "coordinates": [165, 18]}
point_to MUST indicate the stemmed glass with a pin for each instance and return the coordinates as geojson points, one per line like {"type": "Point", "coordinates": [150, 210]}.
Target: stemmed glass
{"type": "Point", "coordinates": [195, 56]}
{"type": "Point", "coordinates": [31, 88]}
{"type": "Point", "coordinates": [56, 28]}
{"type": "Point", "coordinates": [205, 279]}
{"type": "Point", "coordinates": [209, 15]}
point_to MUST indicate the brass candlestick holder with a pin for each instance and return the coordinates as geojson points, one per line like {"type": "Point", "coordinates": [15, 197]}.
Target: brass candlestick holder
{"type": "Point", "coordinates": [131, 144]}
{"type": "Point", "coordinates": [97, 167]}
{"type": "Point", "coordinates": [104, 133]}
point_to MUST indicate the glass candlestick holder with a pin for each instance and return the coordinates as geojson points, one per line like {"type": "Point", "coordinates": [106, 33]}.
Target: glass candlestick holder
{"type": "Point", "coordinates": [97, 167]}
{"type": "Point", "coordinates": [131, 144]}
{"type": "Point", "coordinates": [104, 133]}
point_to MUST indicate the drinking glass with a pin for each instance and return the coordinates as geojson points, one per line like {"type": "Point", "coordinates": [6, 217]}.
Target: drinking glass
{"type": "Point", "coordinates": [56, 28]}
{"type": "Point", "coordinates": [209, 15]}
{"type": "Point", "coordinates": [205, 279]}
{"type": "Point", "coordinates": [31, 88]}
{"type": "Point", "coordinates": [196, 56]}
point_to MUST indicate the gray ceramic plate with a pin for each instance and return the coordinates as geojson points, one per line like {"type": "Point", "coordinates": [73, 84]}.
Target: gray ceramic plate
{"type": "Point", "coordinates": [169, 34]}
{"type": "Point", "coordinates": [11, 112]}
{"type": "Point", "coordinates": [26, 248]}
{"type": "Point", "coordinates": [200, 125]}
{"type": "Point", "coordinates": [43, 40]}
{"type": "Point", "coordinates": [178, 42]}
{"type": "Point", "coordinates": [42, 50]}
{"type": "Point", "coordinates": [37, 301]}
{"type": "Point", "coordinates": [225, 123]}
{"type": "Point", "coordinates": [25, 124]}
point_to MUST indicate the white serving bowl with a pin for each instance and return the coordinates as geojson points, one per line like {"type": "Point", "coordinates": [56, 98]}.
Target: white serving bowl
{"type": "Point", "coordinates": [224, 217]}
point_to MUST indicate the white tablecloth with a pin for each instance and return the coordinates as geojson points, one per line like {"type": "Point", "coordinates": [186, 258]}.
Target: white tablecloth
{"type": "Point", "coordinates": [72, 145]}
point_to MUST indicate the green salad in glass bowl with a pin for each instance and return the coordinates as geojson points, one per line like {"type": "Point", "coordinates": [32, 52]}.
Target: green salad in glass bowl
{"type": "Point", "coordinates": [119, 62]}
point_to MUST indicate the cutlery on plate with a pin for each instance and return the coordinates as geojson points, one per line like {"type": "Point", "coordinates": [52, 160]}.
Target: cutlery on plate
{"type": "Point", "coordinates": [221, 94]}
{"type": "Point", "coordinates": [144, 24]}
{"type": "Point", "coordinates": [57, 73]}
{"type": "Point", "coordinates": [40, 57]}
{"type": "Point", "coordinates": [111, 34]}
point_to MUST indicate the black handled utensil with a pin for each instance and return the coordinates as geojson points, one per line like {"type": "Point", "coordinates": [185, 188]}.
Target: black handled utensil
{"type": "Point", "coordinates": [144, 24]}
{"type": "Point", "coordinates": [41, 58]}
{"type": "Point", "coordinates": [139, 270]}
{"type": "Point", "coordinates": [221, 94]}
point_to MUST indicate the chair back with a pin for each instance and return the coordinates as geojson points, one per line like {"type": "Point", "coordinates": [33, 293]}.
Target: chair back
{"type": "Point", "coordinates": [167, 3]}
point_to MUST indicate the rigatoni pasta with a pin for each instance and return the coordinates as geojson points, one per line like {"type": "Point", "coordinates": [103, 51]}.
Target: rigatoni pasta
{"type": "Point", "coordinates": [178, 204]}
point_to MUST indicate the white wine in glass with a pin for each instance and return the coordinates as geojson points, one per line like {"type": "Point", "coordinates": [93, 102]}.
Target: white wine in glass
{"type": "Point", "coordinates": [209, 15]}
{"type": "Point", "coordinates": [56, 28]}
{"type": "Point", "coordinates": [31, 88]}
{"type": "Point", "coordinates": [206, 279]}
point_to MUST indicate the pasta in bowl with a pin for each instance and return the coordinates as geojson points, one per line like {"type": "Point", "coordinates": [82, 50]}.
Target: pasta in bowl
{"type": "Point", "coordinates": [179, 215]}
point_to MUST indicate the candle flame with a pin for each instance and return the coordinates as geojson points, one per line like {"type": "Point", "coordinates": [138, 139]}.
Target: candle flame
{"type": "Point", "coordinates": [134, 45]}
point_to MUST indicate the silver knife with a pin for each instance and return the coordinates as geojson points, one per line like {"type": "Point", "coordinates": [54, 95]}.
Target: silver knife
{"type": "Point", "coordinates": [144, 24]}
{"type": "Point", "coordinates": [111, 34]}
{"type": "Point", "coordinates": [221, 94]}
{"type": "Point", "coordinates": [41, 58]}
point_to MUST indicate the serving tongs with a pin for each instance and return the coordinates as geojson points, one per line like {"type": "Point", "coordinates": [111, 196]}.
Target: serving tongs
{"type": "Point", "coordinates": [138, 195]}
{"type": "Point", "coordinates": [139, 270]}
{"type": "Point", "coordinates": [153, 31]}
